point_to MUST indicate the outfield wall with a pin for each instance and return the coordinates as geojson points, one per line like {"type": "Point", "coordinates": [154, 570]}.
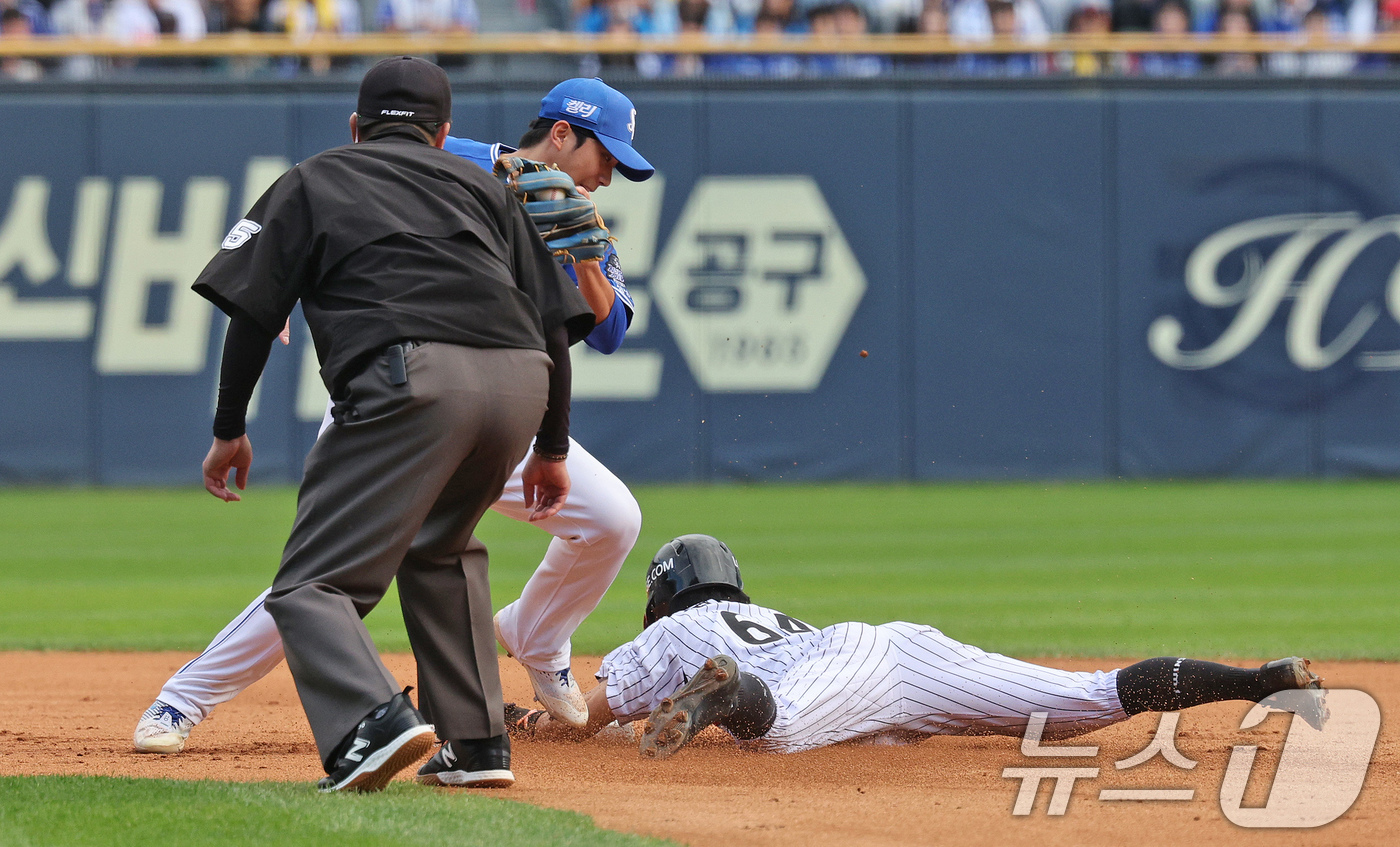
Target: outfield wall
{"type": "Point", "coordinates": [1056, 282]}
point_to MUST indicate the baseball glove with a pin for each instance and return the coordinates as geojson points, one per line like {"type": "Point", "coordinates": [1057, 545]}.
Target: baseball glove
{"type": "Point", "coordinates": [521, 721]}
{"type": "Point", "coordinates": [568, 221]}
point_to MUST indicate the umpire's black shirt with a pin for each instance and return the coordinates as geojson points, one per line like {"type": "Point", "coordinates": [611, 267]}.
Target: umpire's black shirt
{"type": "Point", "coordinates": [390, 240]}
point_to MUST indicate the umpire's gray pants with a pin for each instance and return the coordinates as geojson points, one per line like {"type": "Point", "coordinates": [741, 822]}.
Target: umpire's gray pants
{"type": "Point", "coordinates": [397, 488]}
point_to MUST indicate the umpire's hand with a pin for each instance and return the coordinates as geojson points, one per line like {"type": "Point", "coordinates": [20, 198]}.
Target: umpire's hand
{"type": "Point", "coordinates": [225, 456]}
{"type": "Point", "coordinates": [546, 486]}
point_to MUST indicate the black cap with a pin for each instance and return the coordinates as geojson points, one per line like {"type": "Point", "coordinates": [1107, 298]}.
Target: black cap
{"type": "Point", "coordinates": [405, 88]}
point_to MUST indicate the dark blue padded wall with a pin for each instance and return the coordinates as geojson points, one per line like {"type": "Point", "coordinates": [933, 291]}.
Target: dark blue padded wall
{"type": "Point", "coordinates": [1058, 283]}
{"type": "Point", "coordinates": [1008, 286]}
{"type": "Point", "coordinates": [1188, 167]}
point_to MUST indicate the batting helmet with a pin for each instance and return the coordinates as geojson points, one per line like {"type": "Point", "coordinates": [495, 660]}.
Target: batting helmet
{"type": "Point", "coordinates": [684, 566]}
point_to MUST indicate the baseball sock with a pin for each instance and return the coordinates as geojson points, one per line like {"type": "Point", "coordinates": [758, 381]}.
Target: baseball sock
{"type": "Point", "coordinates": [1166, 684]}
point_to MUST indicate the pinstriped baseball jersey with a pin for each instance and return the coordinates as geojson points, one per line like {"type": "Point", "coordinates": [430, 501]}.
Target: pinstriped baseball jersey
{"type": "Point", "coordinates": [852, 680]}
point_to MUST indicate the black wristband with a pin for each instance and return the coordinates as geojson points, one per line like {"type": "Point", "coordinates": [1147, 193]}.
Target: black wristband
{"type": "Point", "coordinates": [549, 455]}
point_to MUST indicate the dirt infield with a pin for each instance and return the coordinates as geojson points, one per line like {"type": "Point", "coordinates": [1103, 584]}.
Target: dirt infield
{"type": "Point", "coordinates": [72, 713]}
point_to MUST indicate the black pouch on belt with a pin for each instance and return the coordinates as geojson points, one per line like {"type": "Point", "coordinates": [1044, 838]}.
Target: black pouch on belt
{"type": "Point", "coordinates": [398, 368]}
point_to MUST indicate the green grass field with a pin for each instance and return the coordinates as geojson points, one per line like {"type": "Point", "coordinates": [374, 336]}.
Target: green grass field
{"type": "Point", "coordinates": [1206, 569]}
{"type": "Point", "coordinates": [1213, 569]}
{"type": "Point", "coordinates": [83, 811]}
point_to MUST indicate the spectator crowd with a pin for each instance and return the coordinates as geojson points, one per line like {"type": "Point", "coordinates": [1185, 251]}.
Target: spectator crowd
{"type": "Point", "coordinates": [967, 22]}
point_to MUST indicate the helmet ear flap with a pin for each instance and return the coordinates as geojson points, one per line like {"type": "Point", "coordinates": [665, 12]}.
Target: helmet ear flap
{"type": "Point", "coordinates": [653, 613]}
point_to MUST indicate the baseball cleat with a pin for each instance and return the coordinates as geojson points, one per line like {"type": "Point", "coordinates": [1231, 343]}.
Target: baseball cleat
{"type": "Point", "coordinates": [389, 739]}
{"type": "Point", "coordinates": [482, 763]}
{"type": "Point", "coordinates": [1294, 674]}
{"type": "Point", "coordinates": [1290, 674]}
{"type": "Point", "coordinates": [162, 729]}
{"type": "Point", "coordinates": [557, 690]}
{"type": "Point", "coordinates": [709, 695]}
{"type": "Point", "coordinates": [560, 695]}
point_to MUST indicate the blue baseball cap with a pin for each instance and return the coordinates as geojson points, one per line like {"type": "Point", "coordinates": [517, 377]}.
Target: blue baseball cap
{"type": "Point", "coordinates": [605, 111]}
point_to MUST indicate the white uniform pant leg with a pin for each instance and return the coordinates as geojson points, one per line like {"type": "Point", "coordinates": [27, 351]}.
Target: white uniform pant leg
{"type": "Point", "coordinates": [844, 687]}
{"type": "Point", "coordinates": [593, 534]}
{"type": "Point", "coordinates": [955, 688]}
{"type": "Point", "coordinates": [240, 655]}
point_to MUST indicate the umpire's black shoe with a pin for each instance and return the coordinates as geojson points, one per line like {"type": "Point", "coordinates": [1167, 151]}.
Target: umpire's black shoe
{"type": "Point", "coordinates": [481, 763]}
{"type": "Point", "coordinates": [389, 739]}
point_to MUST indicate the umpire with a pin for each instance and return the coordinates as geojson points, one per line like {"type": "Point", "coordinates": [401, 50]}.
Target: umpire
{"type": "Point", "coordinates": [442, 325]}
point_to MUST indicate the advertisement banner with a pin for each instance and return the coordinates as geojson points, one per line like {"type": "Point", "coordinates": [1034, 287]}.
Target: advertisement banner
{"type": "Point", "coordinates": [830, 284]}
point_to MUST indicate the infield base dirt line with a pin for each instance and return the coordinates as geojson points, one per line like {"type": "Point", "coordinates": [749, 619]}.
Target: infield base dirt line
{"type": "Point", "coordinates": [73, 713]}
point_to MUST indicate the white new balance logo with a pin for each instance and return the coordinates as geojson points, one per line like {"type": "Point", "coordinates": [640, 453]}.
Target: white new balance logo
{"type": "Point", "coordinates": [354, 754]}
{"type": "Point", "coordinates": [448, 757]}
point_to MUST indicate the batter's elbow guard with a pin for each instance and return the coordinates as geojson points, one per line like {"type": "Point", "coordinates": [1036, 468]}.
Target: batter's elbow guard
{"type": "Point", "coordinates": [754, 709]}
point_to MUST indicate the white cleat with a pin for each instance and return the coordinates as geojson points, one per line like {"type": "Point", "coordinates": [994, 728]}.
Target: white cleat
{"type": "Point", "coordinates": [162, 729]}
{"type": "Point", "coordinates": [556, 691]}
{"type": "Point", "coordinates": [560, 695]}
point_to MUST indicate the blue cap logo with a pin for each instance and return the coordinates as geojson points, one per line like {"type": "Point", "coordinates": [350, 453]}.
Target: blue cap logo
{"type": "Point", "coordinates": [593, 105]}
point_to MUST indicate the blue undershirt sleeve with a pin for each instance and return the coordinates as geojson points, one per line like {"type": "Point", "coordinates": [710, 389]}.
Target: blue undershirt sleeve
{"type": "Point", "coordinates": [607, 336]}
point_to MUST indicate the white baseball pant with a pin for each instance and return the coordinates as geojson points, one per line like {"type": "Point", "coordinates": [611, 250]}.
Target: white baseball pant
{"type": "Point", "coordinates": [861, 680]}
{"type": "Point", "coordinates": [593, 534]}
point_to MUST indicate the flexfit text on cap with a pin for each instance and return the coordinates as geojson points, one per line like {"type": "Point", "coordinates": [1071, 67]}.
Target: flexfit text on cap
{"type": "Point", "coordinates": [593, 105]}
{"type": "Point", "coordinates": [405, 88]}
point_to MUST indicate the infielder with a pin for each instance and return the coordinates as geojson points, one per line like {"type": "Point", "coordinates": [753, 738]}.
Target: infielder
{"type": "Point", "coordinates": [790, 686]}
{"type": "Point", "coordinates": [599, 522]}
